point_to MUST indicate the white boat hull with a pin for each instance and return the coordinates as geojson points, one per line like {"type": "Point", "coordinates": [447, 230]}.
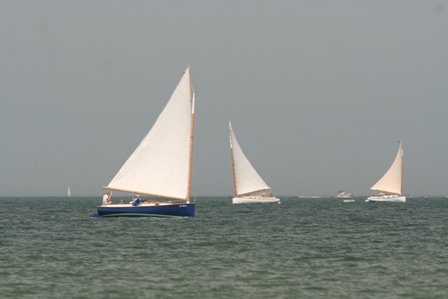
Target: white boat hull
{"type": "Point", "coordinates": [255, 199]}
{"type": "Point", "coordinates": [348, 200]}
{"type": "Point", "coordinates": [389, 198]}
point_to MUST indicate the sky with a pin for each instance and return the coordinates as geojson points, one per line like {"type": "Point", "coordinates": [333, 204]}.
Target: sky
{"type": "Point", "coordinates": [318, 92]}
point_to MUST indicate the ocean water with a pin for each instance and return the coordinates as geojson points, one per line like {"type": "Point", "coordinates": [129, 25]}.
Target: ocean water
{"type": "Point", "coordinates": [301, 248]}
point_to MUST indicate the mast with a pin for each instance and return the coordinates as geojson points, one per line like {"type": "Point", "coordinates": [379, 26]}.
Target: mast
{"type": "Point", "coordinates": [233, 161]}
{"type": "Point", "coordinates": [402, 165]}
{"type": "Point", "coordinates": [190, 170]}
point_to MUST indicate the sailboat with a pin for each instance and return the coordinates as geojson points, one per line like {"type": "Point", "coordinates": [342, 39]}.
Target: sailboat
{"type": "Point", "coordinates": [69, 193]}
{"type": "Point", "coordinates": [161, 165]}
{"type": "Point", "coordinates": [248, 185]}
{"type": "Point", "coordinates": [390, 187]}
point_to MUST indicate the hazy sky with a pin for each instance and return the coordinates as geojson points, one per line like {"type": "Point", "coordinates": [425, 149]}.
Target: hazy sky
{"type": "Point", "coordinates": [318, 92]}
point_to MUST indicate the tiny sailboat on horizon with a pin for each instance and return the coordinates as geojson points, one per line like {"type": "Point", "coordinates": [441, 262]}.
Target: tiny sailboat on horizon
{"type": "Point", "coordinates": [161, 166]}
{"type": "Point", "coordinates": [390, 187]}
{"type": "Point", "coordinates": [69, 192]}
{"type": "Point", "coordinates": [249, 187]}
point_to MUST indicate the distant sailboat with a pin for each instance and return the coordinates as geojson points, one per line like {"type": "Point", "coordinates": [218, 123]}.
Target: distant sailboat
{"type": "Point", "coordinates": [390, 187]}
{"type": "Point", "coordinates": [161, 165]}
{"type": "Point", "coordinates": [249, 187]}
{"type": "Point", "coordinates": [69, 193]}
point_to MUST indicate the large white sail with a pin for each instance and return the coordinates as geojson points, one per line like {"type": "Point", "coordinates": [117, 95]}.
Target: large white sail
{"type": "Point", "coordinates": [392, 180]}
{"type": "Point", "coordinates": [161, 164]}
{"type": "Point", "coordinates": [246, 178]}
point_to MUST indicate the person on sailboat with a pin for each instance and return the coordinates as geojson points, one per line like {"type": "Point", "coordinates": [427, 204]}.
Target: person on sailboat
{"type": "Point", "coordinates": [137, 201]}
{"type": "Point", "coordinates": [106, 199]}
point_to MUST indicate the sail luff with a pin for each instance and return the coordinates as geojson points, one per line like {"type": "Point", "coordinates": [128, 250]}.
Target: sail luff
{"type": "Point", "coordinates": [392, 181]}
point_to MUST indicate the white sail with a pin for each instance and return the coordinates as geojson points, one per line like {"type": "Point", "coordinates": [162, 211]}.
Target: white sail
{"type": "Point", "coordinates": [392, 180]}
{"type": "Point", "coordinates": [69, 193]}
{"type": "Point", "coordinates": [246, 178]}
{"type": "Point", "coordinates": [161, 164]}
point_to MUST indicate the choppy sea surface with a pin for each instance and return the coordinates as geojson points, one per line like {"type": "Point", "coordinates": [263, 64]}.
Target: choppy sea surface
{"type": "Point", "coordinates": [301, 248]}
